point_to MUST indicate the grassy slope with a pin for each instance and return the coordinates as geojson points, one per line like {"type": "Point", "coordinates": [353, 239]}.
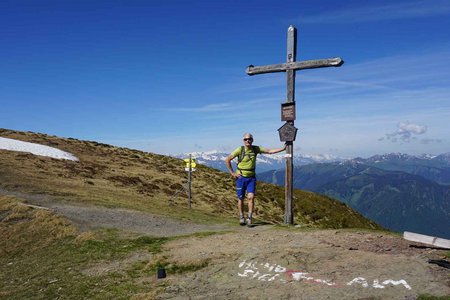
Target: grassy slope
{"type": "Point", "coordinates": [120, 177]}
{"type": "Point", "coordinates": [42, 256]}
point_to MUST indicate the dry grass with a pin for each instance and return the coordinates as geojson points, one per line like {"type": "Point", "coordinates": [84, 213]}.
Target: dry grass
{"type": "Point", "coordinates": [42, 257]}
{"type": "Point", "coordinates": [20, 224]}
{"type": "Point", "coordinates": [119, 177]}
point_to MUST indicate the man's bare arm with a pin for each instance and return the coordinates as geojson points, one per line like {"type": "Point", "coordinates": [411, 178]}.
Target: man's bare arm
{"type": "Point", "coordinates": [273, 151]}
{"type": "Point", "coordinates": [230, 167]}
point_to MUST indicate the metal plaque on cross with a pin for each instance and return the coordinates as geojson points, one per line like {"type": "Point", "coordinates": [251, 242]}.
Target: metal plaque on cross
{"type": "Point", "coordinates": [287, 132]}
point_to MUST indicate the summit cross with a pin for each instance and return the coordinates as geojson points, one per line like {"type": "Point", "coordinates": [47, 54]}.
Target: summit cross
{"type": "Point", "coordinates": [288, 108]}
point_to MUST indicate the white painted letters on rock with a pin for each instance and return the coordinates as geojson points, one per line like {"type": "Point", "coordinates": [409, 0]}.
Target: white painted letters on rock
{"type": "Point", "coordinates": [271, 272]}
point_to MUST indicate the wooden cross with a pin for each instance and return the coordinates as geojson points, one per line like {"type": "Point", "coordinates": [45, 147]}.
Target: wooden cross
{"type": "Point", "coordinates": [290, 67]}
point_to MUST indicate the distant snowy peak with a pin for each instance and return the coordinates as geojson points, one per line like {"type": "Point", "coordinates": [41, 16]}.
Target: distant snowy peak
{"type": "Point", "coordinates": [395, 160]}
{"type": "Point", "coordinates": [215, 155]}
{"type": "Point", "coordinates": [36, 149]}
{"type": "Point", "coordinates": [430, 156]}
{"type": "Point", "coordinates": [205, 153]}
{"type": "Point", "coordinates": [322, 157]}
{"type": "Point", "coordinates": [352, 162]}
{"type": "Point", "coordinates": [205, 156]}
{"type": "Point", "coordinates": [442, 159]}
{"type": "Point", "coordinates": [265, 162]}
{"type": "Point", "coordinates": [215, 159]}
{"type": "Point", "coordinates": [390, 157]}
{"type": "Point", "coordinates": [444, 156]}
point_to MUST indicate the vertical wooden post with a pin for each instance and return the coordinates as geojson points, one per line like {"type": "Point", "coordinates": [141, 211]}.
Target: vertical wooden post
{"type": "Point", "coordinates": [189, 180]}
{"type": "Point", "coordinates": [289, 190]}
{"type": "Point", "coordinates": [290, 67]}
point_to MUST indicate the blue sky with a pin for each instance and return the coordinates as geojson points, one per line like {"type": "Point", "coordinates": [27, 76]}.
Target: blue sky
{"type": "Point", "coordinates": [169, 76]}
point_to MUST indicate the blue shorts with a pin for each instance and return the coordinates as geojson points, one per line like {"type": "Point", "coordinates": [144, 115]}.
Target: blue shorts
{"type": "Point", "coordinates": [245, 184]}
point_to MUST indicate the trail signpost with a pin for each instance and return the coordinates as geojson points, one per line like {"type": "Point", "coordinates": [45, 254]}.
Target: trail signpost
{"type": "Point", "coordinates": [190, 167]}
{"type": "Point", "coordinates": [288, 131]}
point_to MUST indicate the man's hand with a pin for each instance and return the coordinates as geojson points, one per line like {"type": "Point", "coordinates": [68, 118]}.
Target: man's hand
{"type": "Point", "coordinates": [235, 175]}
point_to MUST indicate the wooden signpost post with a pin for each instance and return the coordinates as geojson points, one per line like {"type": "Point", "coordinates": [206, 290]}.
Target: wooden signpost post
{"type": "Point", "coordinates": [190, 167]}
{"type": "Point", "coordinates": [288, 131]}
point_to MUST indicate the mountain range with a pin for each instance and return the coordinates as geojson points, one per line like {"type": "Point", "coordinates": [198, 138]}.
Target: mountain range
{"type": "Point", "coordinates": [216, 159]}
{"type": "Point", "coordinates": [435, 168]}
{"type": "Point", "coordinates": [399, 191]}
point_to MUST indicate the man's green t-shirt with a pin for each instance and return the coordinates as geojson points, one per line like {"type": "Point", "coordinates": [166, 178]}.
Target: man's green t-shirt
{"type": "Point", "coordinates": [248, 163]}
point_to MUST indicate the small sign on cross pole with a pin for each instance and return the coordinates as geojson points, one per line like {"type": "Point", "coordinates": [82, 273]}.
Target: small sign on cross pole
{"type": "Point", "coordinates": [288, 131]}
{"type": "Point", "coordinates": [288, 111]}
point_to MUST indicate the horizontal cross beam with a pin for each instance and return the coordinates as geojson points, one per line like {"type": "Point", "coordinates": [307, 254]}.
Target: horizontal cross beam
{"type": "Point", "coordinates": [296, 65]}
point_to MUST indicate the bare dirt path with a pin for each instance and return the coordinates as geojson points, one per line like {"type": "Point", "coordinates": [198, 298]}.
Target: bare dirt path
{"type": "Point", "coordinates": [90, 217]}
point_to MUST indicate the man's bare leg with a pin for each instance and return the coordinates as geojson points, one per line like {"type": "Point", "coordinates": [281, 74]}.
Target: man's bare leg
{"type": "Point", "coordinates": [251, 204]}
{"type": "Point", "coordinates": [241, 211]}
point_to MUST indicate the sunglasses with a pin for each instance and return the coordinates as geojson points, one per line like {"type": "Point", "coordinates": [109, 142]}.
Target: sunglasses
{"type": "Point", "coordinates": [250, 139]}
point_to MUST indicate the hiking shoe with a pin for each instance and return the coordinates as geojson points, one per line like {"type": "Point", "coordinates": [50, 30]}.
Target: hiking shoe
{"type": "Point", "coordinates": [242, 221]}
{"type": "Point", "coordinates": [249, 222]}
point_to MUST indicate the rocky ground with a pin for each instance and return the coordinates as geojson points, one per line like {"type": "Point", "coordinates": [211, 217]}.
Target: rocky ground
{"type": "Point", "coordinates": [268, 263]}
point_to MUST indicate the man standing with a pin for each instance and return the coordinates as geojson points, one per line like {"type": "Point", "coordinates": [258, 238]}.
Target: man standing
{"type": "Point", "coordinates": [245, 174]}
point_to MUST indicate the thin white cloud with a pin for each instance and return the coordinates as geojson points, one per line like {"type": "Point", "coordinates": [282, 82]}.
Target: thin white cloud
{"type": "Point", "coordinates": [405, 132]}
{"type": "Point", "coordinates": [387, 75]}
{"type": "Point", "coordinates": [430, 141]}
{"type": "Point", "coordinates": [253, 83]}
{"type": "Point", "coordinates": [216, 107]}
{"type": "Point", "coordinates": [233, 107]}
{"type": "Point", "coordinates": [411, 128]}
{"type": "Point", "coordinates": [391, 85]}
{"type": "Point", "coordinates": [391, 11]}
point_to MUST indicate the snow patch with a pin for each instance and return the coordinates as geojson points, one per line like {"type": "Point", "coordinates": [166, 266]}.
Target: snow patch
{"type": "Point", "coordinates": [36, 149]}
